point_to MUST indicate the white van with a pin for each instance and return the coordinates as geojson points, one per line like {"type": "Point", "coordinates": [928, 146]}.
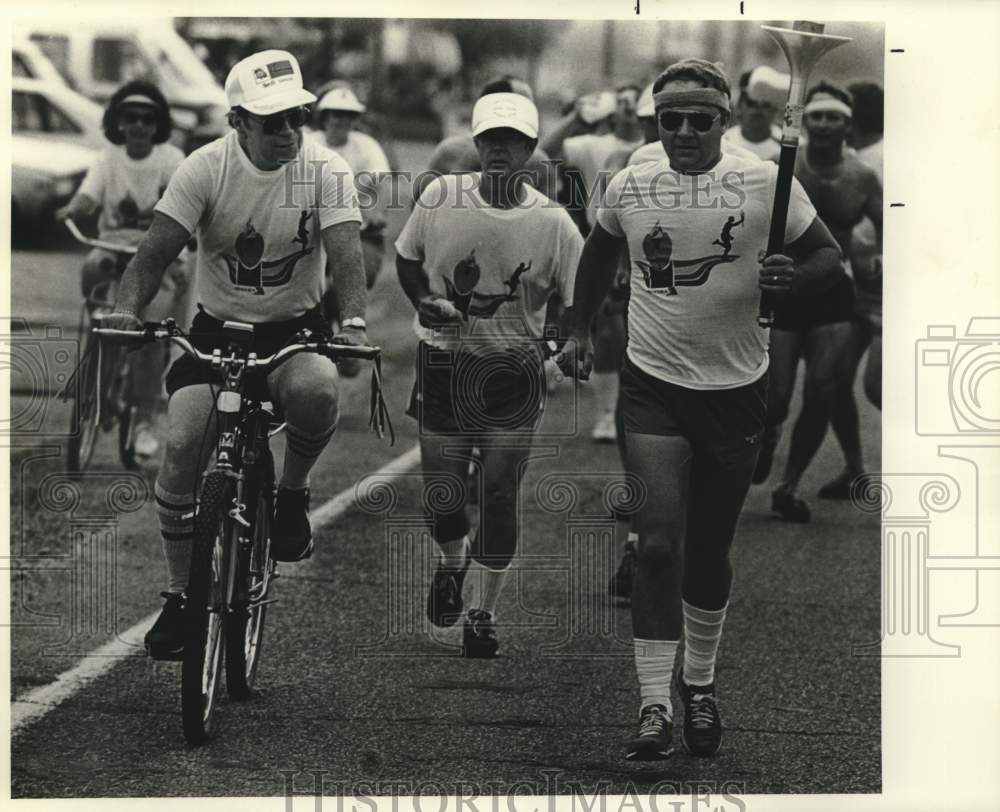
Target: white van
{"type": "Point", "coordinates": [96, 57]}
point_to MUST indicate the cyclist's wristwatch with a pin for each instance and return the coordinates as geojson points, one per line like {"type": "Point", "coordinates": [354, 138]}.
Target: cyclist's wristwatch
{"type": "Point", "coordinates": [354, 321]}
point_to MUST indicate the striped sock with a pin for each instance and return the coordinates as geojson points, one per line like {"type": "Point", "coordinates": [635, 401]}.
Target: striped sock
{"type": "Point", "coordinates": [654, 665]}
{"type": "Point", "coordinates": [454, 553]}
{"type": "Point", "coordinates": [702, 633]}
{"type": "Point", "coordinates": [175, 512]}
{"type": "Point", "coordinates": [301, 452]}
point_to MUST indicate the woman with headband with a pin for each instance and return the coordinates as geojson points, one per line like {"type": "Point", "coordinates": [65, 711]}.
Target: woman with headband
{"type": "Point", "coordinates": [694, 383]}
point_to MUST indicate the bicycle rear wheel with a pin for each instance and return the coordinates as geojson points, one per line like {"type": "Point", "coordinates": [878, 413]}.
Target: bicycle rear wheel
{"type": "Point", "coordinates": [245, 623]}
{"type": "Point", "coordinates": [209, 585]}
{"type": "Point", "coordinates": [84, 426]}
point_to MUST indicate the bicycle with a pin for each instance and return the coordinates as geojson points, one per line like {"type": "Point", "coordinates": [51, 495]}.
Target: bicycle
{"type": "Point", "coordinates": [225, 604]}
{"type": "Point", "coordinates": [103, 379]}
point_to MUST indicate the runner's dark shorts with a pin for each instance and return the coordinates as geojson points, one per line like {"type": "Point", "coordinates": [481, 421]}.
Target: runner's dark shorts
{"type": "Point", "coordinates": [829, 307]}
{"type": "Point", "coordinates": [461, 392]}
{"type": "Point", "coordinates": [269, 337]}
{"type": "Point", "coordinates": [724, 424]}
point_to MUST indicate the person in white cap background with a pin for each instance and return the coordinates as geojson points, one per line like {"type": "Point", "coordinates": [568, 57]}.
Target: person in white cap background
{"type": "Point", "coordinates": [586, 154]}
{"type": "Point", "coordinates": [694, 382]}
{"type": "Point", "coordinates": [124, 183]}
{"type": "Point", "coordinates": [755, 129]}
{"type": "Point", "coordinates": [818, 328]}
{"type": "Point", "coordinates": [458, 153]}
{"type": "Point", "coordinates": [337, 113]}
{"type": "Point", "coordinates": [268, 211]}
{"type": "Point", "coordinates": [479, 258]}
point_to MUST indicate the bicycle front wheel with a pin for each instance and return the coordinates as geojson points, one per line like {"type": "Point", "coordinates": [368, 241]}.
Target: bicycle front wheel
{"type": "Point", "coordinates": [245, 623]}
{"type": "Point", "coordinates": [209, 586]}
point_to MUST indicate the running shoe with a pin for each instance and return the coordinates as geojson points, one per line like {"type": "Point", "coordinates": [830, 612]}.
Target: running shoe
{"type": "Point", "coordinates": [146, 445]}
{"type": "Point", "coordinates": [620, 585]}
{"type": "Point", "coordinates": [444, 601]}
{"type": "Point", "coordinates": [653, 742]}
{"type": "Point", "coordinates": [291, 534]}
{"type": "Point", "coordinates": [702, 731]}
{"type": "Point", "coordinates": [789, 507]}
{"type": "Point", "coordinates": [605, 431]}
{"type": "Point", "coordinates": [479, 637]}
{"type": "Point", "coordinates": [165, 638]}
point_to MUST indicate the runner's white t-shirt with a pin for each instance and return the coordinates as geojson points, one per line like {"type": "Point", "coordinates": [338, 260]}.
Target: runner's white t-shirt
{"type": "Point", "coordinates": [368, 162]}
{"type": "Point", "coordinates": [693, 241]}
{"type": "Point", "coordinates": [260, 255]}
{"type": "Point", "coordinates": [589, 153]}
{"type": "Point", "coordinates": [498, 266]}
{"type": "Point", "coordinates": [128, 189]}
{"type": "Point", "coordinates": [767, 150]}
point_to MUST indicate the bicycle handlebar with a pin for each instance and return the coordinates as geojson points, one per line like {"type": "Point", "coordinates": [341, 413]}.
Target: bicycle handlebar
{"type": "Point", "coordinates": [322, 346]}
{"type": "Point", "coordinates": [94, 243]}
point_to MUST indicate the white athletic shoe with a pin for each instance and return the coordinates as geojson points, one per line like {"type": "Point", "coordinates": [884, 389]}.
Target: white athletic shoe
{"type": "Point", "coordinates": [146, 445]}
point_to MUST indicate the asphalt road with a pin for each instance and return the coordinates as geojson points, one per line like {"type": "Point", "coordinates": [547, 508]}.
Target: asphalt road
{"type": "Point", "coordinates": [357, 689]}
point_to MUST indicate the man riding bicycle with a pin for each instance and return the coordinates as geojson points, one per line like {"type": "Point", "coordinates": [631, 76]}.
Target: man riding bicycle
{"type": "Point", "coordinates": [268, 210]}
{"type": "Point", "coordinates": [124, 183]}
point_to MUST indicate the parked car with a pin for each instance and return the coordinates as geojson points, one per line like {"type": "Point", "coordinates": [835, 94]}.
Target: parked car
{"type": "Point", "coordinates": [55, 136]}
{"type": "Point", "coordinates": [96, 57]}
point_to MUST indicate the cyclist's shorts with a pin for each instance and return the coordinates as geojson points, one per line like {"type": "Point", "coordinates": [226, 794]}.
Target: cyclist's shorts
{"type": "Point", "coordinates": [829, 307]}
{"type": "Point", "coordinates": [724, 426]}
{"type": "Point", "coordinates": [466, 393]}
{"type": "Point", "coordinates": [269, 337]}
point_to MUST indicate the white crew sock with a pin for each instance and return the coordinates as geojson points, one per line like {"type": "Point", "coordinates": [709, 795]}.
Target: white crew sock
{"type": "Point", "coordinates": [605, 388]}
{"type": "Point", "coordinates": [702, 633]}
{"type": "Point", "coordinates": [492, 584]}
{"type": "Point", "coordinates": [654, 665]}
{"type": "Point", "coordinates": [175, 512]}
{"type": "Point", "coordinates": [454, 553]}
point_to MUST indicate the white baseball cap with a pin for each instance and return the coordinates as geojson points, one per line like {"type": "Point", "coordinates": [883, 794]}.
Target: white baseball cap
{"type": "Point", "coordinates": [267, 82]}
{"type": "Point", "coordinates": [340, 98]}
{"type": "Point", "coordinates": [496, 110]}
{"type": "Point", "coordinates": [644, 107]}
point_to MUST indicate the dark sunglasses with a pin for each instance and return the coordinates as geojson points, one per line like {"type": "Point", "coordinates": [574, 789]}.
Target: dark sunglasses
{"type": "Point", "coordinates": [672, 121]}
{"type": "Point", "coordinates": [147, 119]}
{"type": "Point", "coordinates": [274, 124]}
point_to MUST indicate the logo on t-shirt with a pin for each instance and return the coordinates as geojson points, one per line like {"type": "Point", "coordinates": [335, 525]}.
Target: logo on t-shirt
{"type": "Point", "coordinates": [660, 269]}
{"type": "Point", "coordinates": [130, 216]}
{"type": "Point", "coordinates": [250, 272]}
{"type": "Point", "coordinates": [461, 289]}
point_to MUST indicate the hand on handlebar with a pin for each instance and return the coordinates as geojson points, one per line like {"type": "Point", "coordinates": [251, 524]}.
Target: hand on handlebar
{"type": "Point", "coordinates": [353, 337]}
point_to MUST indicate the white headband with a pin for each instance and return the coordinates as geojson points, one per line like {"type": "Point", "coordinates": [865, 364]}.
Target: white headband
{"type": "Point", "coordinates": [827, 106]}
{"type": "Point", "coordinates": [700, 95]}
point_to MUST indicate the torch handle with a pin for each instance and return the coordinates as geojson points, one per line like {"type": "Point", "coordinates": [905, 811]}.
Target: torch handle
{"type": "Point", "coordinates": [779, 218]}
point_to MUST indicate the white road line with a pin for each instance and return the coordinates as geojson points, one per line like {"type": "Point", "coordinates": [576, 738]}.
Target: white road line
{"type": "Point", "coordinates": [36, 703]}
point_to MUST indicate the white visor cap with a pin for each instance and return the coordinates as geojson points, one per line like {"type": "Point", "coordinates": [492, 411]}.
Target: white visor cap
{"type": "Point", "coordinates": [496, 110]}
{"type": "Point", "coordinates": [267, 82]}
{"type": "Point", "coordinates": [340, 98]}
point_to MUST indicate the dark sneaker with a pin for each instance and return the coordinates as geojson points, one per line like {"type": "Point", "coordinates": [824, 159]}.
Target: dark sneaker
{"type": "Point", "coordinates": [479, 637]}
{"type": "Point", "coordinates": [768, 444]}
{"type": "Point", "coordinates": [620, 585]}
{"type": "Point", "coordinates": [444, 601]}
{"type": "Point", "coordinates": [789, 507]}
{"type": "Point", "coordinates": [702, 732]}
{"type": "Point", "coordinates": [291, 535]}
{"type": "Point", "coordinates": [165, 639]}
{"type": "Point", "coordinates": [653, 743]}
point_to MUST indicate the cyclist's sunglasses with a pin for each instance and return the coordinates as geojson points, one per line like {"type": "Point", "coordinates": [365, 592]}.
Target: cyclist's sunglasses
{"type": "Point", "coordinates": [274, 124]}
{"type": "Point", "coordinates": [671, 120]}
{"type": "Point", "coordinates": [146, 119]}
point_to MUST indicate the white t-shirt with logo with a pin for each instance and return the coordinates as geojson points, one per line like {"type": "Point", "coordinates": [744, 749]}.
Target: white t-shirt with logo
{"type": "Point", "coordinates": [767, 150]}
{"type": "Point", "coordinates": [589, 153]}
{"type": "Point", "coordinates": [693, 241]}
{"type": "Point", "coordinates": [128, 189]}
{"type": "Point", "coordinates": [260, 255]}
{"type": "Point", "coordinates": [498, 266]}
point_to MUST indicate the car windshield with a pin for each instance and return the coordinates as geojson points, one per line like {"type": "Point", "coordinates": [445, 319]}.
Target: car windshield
{"type": "Point", "coordinates": [177, 61]}
{"type": "Point", "coordinates": [33, 113]}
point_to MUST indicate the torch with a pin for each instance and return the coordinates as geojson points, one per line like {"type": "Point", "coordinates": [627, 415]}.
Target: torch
{"type": "Point", "coordinates": [803, 44]}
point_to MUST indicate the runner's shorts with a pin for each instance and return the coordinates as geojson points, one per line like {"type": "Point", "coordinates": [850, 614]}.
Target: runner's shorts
{"type": "Point", "coordinates": [269, 337]}
{"type": "Point", "coordinates": [804, 312]}
{"type": "Point", "coordinates": [457, 391]}
{"type": "Point", "coordinates": [724, 424]}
